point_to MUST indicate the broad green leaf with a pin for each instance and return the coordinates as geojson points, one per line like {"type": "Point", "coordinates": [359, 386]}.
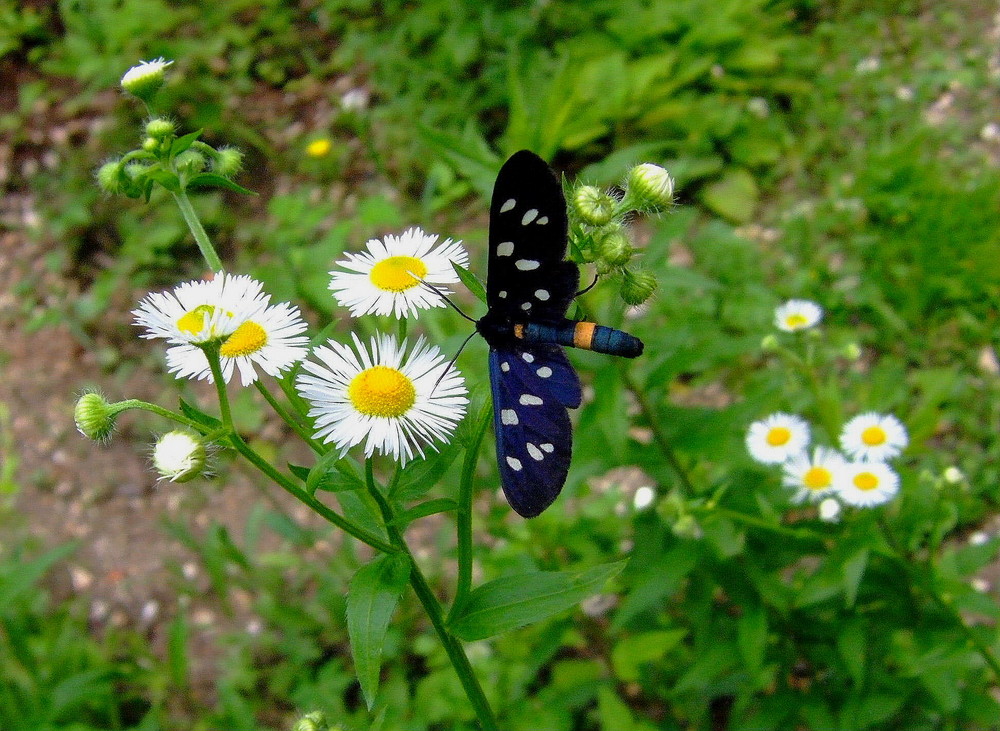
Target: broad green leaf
{"type": "Point", "coordinates": [646, 647]}
{"type": "Point", "coordinates": [734, 196]}
{"type": "Point", "coordinates": [431, 507]}
{"type": "Point", "coordinates": [359, 507]}
{"type": "Point", "coordinates": [167, 179]}
{"type": "Point", "coordinates": [371, 600]}
{"type": "Point", "coordinates": [211, 180]}
{"type": "Point", "coordinates": [514, 601]}
{"type": "Point", "coordinates": [195, 414]}
{"type": "Point", "coordinates": [471, 281]}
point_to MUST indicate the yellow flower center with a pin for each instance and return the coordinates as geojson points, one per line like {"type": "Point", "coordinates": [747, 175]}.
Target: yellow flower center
{"type": "Point", "coordinates": [796, 321]}
{"type": "Point", "coordinates": [865, 481]}
{"type": "Point", "coordinates": [319, 148]}
{"type": "Point", "coordinates": [193, 321]}
{"type": "Point", "coordinates": [873, 436]}
{"type": "Point", "coordinates": [394, 274]}
{"type": "Point", "coordinates": [817, 478]}
{"type": "Point", "coordinates": [381, 391]}
{"type": "Point", "coordinates": [779, 436]}
{"type": "Point", "coordinates": [248, 338]}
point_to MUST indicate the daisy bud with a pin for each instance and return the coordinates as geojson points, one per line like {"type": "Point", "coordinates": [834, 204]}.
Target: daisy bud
{"type": "Point", "coordinates": [228, 162]}
{"type": "Point", "coordinates": [160, 128]}
{"type": "Point", "coordinates": [594, 206]}
{"type": "Point", "coordinates": [650, 186]}
{"type": "Point", "coordinates": [315, 721]}
{"type": "Point", "coordinates": [852, 351]}
{"type": "Point", "coordinates": [144, 80]}
{"type": "Point", "coordinates": [109, 177]}
{"type": "Point", "coordinates": [687, 527]}
{"type": "Point", "coordinates": [94, 417]}
{"type": "Point", "coordinates": [615, 249]}
{"type": "Point", "coordinates": [638, 286]}
{"type": "Point", "coordinates": [953, 476]}
{"type": "Point", "coordinates": [150, 144]}
{"type": "Point", "coordinates": [179, 456]}
{"type": "Point", "coordinates": [769, 343]}
{"type": "Point", "coordinates": [191, 162]}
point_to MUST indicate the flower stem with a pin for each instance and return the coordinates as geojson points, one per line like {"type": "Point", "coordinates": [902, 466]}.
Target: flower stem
{"type": "Point", "coordinates": [287, 417]}
{"type": "Point", "coordinates": [132, 403]}
{"type": "Point", "coordinates": [463, 515]}
{"type": "Point", "coordinates": [452, 646]}
{"type": "Point", "coordinates": [212, 353]}
{"type": "Point", "coordinates": [198, 231]}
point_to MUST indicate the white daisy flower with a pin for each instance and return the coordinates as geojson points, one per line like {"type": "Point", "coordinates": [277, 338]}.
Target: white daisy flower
{"type": "Point", "coordinates": [179, 456]}
{"type": "Point", "coordinates": [864, 484]}
{"type": "Point", "coordinates": [812, 477]}
{"type": "Point", "coordinates": [382, 396]}
{"type": "Point", "coordinates": [873, 437]}
{"type": "Point", "coordinates": [269, 338]}
{"type": "Point", "coordinates": [201, 311]}
{"type": "Point", "coordinates": [777, 438]}
{"type": "Point", "coordinates": [383, 280]}
{"type": "Point", "coordinates": [829, 510]}
{"type": "Point", "coordinates": [797, 315]}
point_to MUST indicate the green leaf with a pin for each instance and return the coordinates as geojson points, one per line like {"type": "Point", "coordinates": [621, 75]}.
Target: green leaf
{"type": "Point", "coordinates": [195, 414]}
{"type": "Point", "coordinates": [514, 601]}
{"type": "Point", "coordinates": [471, 281]}
{"type": "Point", "coordinates": [184, 142]}
{"type": "Point", "coordinates": [167, 179]}
{"type": "Point", "coordinates": [431, 507]}
{"type": "Point", "coordinates": [751, 636]}
{"type": "Point", "coordinates": [18, 577]}
{"type": "Point", "coordinates": [333, 474]}
{"type": "Point", "coordinates": [852, 645]}
{"type": "Point", "coordinates": [854, 571]}
{"type": "Point", "coordinates": [646, 647]}
{"type": "Point", "coordinates": [734, 196]}
{"type": "Point", "coordinates": [421, 475]}
{"type": "Point", "coordinates": [371, 600]}
{"type": "Point", "coordinates": [211, 180]}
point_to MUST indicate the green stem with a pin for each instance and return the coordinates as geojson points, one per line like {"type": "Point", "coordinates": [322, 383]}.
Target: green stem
{"type": "Point", "coordinates": [287, 417]}
{"type": "Point", "coordinates": [198, 231]}
{"type": "Point", "coordinates": [734, 515]}
{"type": "Point", "coordinates": [212, 353]}
{"type": "Point", "coordinates": [132, 403]}
{"type": "Point", "coordinates": [463, 515]}
{"type": "Point", "coordinates": [452, 646]}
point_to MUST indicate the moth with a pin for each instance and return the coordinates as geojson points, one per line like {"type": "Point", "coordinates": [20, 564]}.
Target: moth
{"type": "Point", "coordinates": [529, 287]}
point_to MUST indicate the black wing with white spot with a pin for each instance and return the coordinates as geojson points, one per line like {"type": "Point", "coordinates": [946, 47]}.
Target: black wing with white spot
{"type": "Point", "coordinates": [528, 279]}
{"type": "Point", "coordinates": [532, 388]}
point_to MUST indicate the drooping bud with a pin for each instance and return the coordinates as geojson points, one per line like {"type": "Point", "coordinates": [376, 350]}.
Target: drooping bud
{"type": "Point", "coordinates": [593, 205]}
{"type": "Point", "coordinates": [144, 80]}
{"type": "Point", "coordinates": [160, 128]}
{"type": "Point", "coordinates": [109, 177]}
{"type": "Point", "coordinates": [179, 456]}
{"type": "Point", "coordinates": [637, 286]}
{"type": "Point", "coordinates": [190, 162]}
{"type": "Point", "coordinates": [94, 417]}
{"type": "Point", "coordinates": [228, 161]}
{"type": "Point", "coordinates": [650, 187]}
{"type": "Point", "coordinates": [315, 721]}
{"type": "Point", "coordinates": [615, 248]}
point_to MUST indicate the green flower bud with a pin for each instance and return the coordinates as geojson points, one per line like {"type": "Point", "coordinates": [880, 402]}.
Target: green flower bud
{"type": "Point", "coordinates": [315, 721]}
{"type": "Point", "coordinates": [852, 351]}
{"type": "Point", "coordinates": [109, 177]}
{"type": "Point", "coordinates": [94, 417]}
{"type": "Point", "coordinates": [637, 286]}
{"type": "Point", "coordinates": [769, 343]}
{"type": "Point", "coordinates": [228, 162]}
{"type": "Point", "coordinates": [687, 527]}
{"type": "Point", "coordinates": [650, 186]}
{"type": "Point", "coordinates": [191, 162]}
{"type": "Point", "coordinates": [593, 206]}
{"type": "Point", "coordinates": [150, 144]}
{"type": "Point", "coordinates": [179, 456]}
{"type": "Point", "coordinates": [160, 128]}
{"type": "Point", "coordinates": [615, 248]}
{"type": "Point", "coordinates": [144, 80]}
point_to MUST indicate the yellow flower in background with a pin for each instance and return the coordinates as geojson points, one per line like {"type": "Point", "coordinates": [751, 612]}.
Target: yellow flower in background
{"type": "Point", "coordinates": [319, 148]}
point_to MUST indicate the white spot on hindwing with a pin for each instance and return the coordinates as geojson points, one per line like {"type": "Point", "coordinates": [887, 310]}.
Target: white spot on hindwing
{"type": "Point", "coordinates": [535, 452]}
{"type": "Point", "coordinates": [505, 366]}
{"type": "Point", "coordinates": [542, 294]}
{"type": "Point", "coordinates": [508, 204]}
{"type": "Point", "coordinates": [544, 372]}
{"type": "Point", "coordinates": [529, 216]}
{"type": "Point", "coordinates": [528, 400]}
{"type": "Point", "coordinates": [508, 417]}
{"type": "Point", "coordinates": [542, 221]}
{"type": "Point", "coordinates": [526, 306]}
{"type": "Point", "coordinates": [505, 248]}
{"type": "Point", "coordinates": [502, 294]}
{"type": "Point", "coordinates": [526, 265]}
{"type": "Point", "coordinates": [515, 463]}
{"type": "Point", "coordinates": [528, 357]}
{"type": "Point", "coordinates": [547, 447]}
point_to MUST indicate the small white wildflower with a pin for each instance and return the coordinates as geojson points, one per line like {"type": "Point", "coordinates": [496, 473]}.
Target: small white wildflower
{"type": "Point", "coordinates": [777, 438]}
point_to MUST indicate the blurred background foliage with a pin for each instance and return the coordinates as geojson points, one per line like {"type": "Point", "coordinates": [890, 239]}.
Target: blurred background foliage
{"type": "Point", "coordinates": [840, 152]}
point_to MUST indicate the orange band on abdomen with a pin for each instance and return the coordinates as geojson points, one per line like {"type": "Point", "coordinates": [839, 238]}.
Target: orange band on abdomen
{"type": "Point", "coordinates": [583, 335]}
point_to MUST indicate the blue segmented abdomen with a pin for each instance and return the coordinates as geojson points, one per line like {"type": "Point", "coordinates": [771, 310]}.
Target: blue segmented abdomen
{"type": "Point", "coordinates": [585, 335]}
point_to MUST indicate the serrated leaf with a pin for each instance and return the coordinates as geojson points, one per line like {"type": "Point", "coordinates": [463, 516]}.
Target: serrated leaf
{"type": "Point", "coordinates": [211, 180]}
{"type": "Point", "coordinates": [196, 414]}
{"type": "Point", "coordinates": [431, 507]}
{"type": "Point", "coordinates": [372, 598]}
{"type": "Point", "coordinates": [183, 142]}
{"type": "Point", "coordinates": [513, 601]}
{"type": "Point", "coordinates": [471, 281]}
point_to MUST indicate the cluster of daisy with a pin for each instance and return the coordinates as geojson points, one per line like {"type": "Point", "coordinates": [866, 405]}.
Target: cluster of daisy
{"type": "Point", "coordinates": [393, 398]}
{"type": "Point", "coordinates": [857, 475]}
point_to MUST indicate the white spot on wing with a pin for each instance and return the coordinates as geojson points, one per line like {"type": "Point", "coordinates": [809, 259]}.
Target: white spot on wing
{"type": "Point", "coordinates": [547, 447]}
{"type": "Point", "coordinates": [542, 221]}
{"type": "Point", "coordinates": [505, 366]}
{"type": "Point", "coordinates": [544, 372]}
{"type": "Point", "coordinates": [526, 265]}
{"type": "Point", "coordinates": [508, 417]}
{"type": "Point", "coordinates": [542, 294]}
{"type": "Point", "coordinates": [502, 294]}
{"type": "Point", "coordinates": [535, 452]}
{"type": "Point", "coordinates": [528, 357]}
{"type": "Point", "coordinates": [515, 463]}
{"type": "Point", "coordinates": [526, 306]}
{"type": "Point", "coordinates": [508, 204]}
{"type": "Point", "coordinates": [528, 400]}
{"type": "Point", "coordinates": [529, 216]}
{"type": "Point", "coordinates": [505, 248]}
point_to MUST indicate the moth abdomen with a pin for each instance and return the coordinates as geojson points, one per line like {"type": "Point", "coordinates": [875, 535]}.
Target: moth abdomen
{"type": "Point", "coordinates": [584, 335]}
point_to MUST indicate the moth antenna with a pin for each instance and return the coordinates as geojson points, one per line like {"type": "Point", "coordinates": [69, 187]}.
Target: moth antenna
{"type": "Point", "coordinates": [443, 296]}
{"type": "Point", "coordinates": [451, 363]}
{"type": "Point", "coordinates": [588, 287]}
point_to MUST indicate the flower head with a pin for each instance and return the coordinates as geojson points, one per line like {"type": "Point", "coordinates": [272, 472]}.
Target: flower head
{"type": "Point", "coordinates": [319, 147]}
{"type": "Point", "coordinates": [394, 402]}
{"type": "Point", "coordinates": [777, 438]}
{"type": "Point", "coordinates": [386, 278]}
{"type": "Point", "coordinates": [864, 484]}
{"type": "Point", "coordinates": [873, 437]}
{"type": "Point", "coordinates": [179, 456]}
{"type": "Point", "coordinates": [144, 80]}
{"type": "Point", "coordinates": [797, 315]}
{"type": "Point", "coordinates": [94, 417]}
{"type": "Point", "coordinates": [812, 477]}
{"type": "Point", "coordinates": [650, 186]}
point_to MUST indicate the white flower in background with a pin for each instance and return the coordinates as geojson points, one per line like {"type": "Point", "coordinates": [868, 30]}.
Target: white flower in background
{"type": "Point", "coordinates": [201, 311]}
{"type": "Point", "coordinates": [391, 401]}
{"type": "Point", "coordinates": [797, 315]}
{"type": "Point", "coordinates": [644, 497]}
{"type": "Point", "coordinates": [269, 338]}
{"type": "Point", "coordinates": [812, 477]}
{"type": "Point", "coordinates": [865, 484]}
{"type": "Point", "coordinates": [829, 510]}
{"type": "Point", "coordinates": [179, 456]}
{"type": "Point", "coordinates": [873, 437]}
{"type": "Point", "coordinates": [384, 279]}
{"type": "Point", "coordinates": [777, 438]}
